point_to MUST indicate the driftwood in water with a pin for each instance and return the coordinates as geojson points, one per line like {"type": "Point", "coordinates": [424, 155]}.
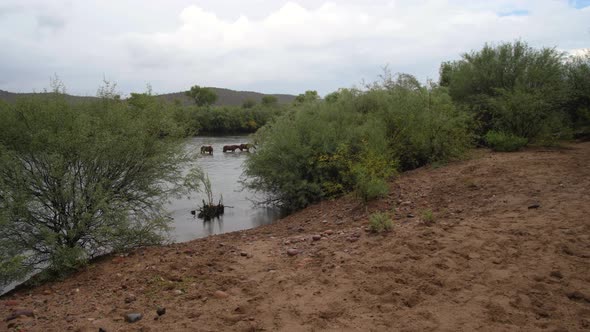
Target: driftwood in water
{"type": "Point", "coordinates": [210, 211]}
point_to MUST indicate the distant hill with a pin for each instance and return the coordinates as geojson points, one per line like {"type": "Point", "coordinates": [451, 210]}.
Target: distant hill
{"type": "Point", "coordinates": [226, 97]}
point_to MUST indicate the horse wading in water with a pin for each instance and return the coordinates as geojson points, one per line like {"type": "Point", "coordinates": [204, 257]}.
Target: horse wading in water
{"type": "Point", "coordinates": [206, 149]}
{"type": "Point", "coordinates": [247, 147]}
{"type": "Point", "coordinates": [231, 148]}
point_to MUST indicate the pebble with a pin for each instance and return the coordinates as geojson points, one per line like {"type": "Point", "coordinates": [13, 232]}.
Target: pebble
{"type": "Point", "coordinates": [324, 221]}
{"type": "Point", "coordinates": [133, 317]}
{"type": "Point", "coordinates": [178, 292]}
{"type": "Point", "coordinates": [100, 329]}
{"type": "Point", "coordinates": [410, 215]}
{"type": "Point", "coordinates": [17, 313]}
{"type": "Point", "coordinates": [329, 232]}
{"type": "Point", "coordinates": [220, 294]}
{"type": "Point", "coordinates": [160, 311]}
{"type": "Point", "coordinates": [316, 237]}
{"type": "Point", "coordinates": [292, 252]}
{"type": "Point", "coordinates": [130, 298]}
{"type": "Point", "coordinates": [243, 254]}
{"type": "Point", "coordinates": [534, 206]}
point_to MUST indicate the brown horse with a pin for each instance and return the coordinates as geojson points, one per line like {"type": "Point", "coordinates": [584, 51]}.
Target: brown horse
{"type": "Point", "coordinates": [247, 147]}
{"type": "Point", "coordinates": [206, 149]}
{"type": "Point", "coordinates": [231, 148]}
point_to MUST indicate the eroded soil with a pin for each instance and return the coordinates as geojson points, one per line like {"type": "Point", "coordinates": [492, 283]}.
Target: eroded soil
{"type": "Point", "coordinates": [486, 262]}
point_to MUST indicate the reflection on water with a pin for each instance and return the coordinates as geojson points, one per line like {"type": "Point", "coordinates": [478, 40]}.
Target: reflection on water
{"type": "Point", "coordinates": [224, 171]}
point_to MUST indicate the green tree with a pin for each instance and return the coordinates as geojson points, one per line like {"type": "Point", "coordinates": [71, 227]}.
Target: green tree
{"type": "Point", "coordinates": [202, 96]}
{"type": "Point", "coordinates": [81, 180]}
{"type": "Point", "coordinates": [577, 103]}
{"type": "Point", "coordinates": [248, 103]}
{"type": "Point", "coordinates": [308, 96]}
{"type": "Point", "coordinates": [492, 83]}
{"type": "Point", "coordinates": [269, 100]}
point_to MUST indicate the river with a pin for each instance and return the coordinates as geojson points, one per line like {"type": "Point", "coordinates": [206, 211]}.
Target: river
{"type": "Point", "coordinates": [224, 170]}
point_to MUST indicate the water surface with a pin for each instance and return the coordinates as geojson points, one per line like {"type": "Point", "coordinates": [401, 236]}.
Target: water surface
{"type": "Point", "coordinates": [225, 170]}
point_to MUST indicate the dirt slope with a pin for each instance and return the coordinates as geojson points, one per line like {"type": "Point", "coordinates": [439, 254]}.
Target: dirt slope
{"type": "Point", "coordinates": [487, 262]}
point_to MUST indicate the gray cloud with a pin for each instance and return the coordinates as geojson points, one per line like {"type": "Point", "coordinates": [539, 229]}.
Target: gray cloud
{"type": "Point", "coordinates": [262, 45]}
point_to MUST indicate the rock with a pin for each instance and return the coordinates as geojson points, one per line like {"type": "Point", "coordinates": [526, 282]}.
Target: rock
{"type": "Point", "coordinates": [287, 242]}
{"type": "Point", "coordinates": [556, 274]}
{"type": "Point", "coordinates": [47, 292]}
{"type": "Point", "coordinates": [18, 313]}
{"type": "Point", "coordinates": [178, 292]}
{"type": "Point", "coordinates": [100, 329]}
{"type": "Point", "coordinates": [577, 296]}
{"type": "Point", "coordinates": [292, 252]}
{"type": "Point", "coordinates": [244, 254]}
{"type": "Point", "coordinates": [410, 215]}
{"type": "Point", "coordinates": [301, 229]}
{"type": "Point", "coordinates": [160, 311]}
{"type": "Point", "coordinates": [133, 317]}
{"type": "Point", "coordinates": [353, 239]}
{"type": "Point", "coordinates": [220, 294]}
{"type": "Point", "coordinates": [406, 203]}
{"type": "Point", "coordinates": [534, 206]}
{"type": "Point", "coordinates": [316, 237]}
{"type": "Point", "coordinates": [69, 319]}
{"type": "Point", "coordinates": [324, 221]}
{"type": "Point", "coordinates": [130, 298]}
{"type": "Point", "coordinates": [329, 232]}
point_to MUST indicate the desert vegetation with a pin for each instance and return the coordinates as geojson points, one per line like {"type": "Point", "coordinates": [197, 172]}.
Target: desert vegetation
{"type": "Point", "coordinates": [78, 180]}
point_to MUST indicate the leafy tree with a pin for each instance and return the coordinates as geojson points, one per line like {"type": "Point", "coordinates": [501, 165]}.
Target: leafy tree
{"type": "Point", "coordinates": [308, 96]}
{"type": "Point", "coordinates": [577, 82]}
{"type": "Point", "coordinates": [248, 103]}
{"type": "Point", "coordinates": [493, 83]}
{"type": "Point", "coordinates": [78, 181]}
{"type": "Point", "coordinates": [202, 96]}
{"type": "Point", "coordinates": [269, 100]}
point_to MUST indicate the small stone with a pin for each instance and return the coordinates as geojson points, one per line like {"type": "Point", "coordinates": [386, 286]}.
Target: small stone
{"type": "Point", "coordinates": [292, 252]}
{"type": "Point", "coordinates": [534, 206]}
{"type": "Point", "coordinates": [243, 254]}
{"type": "Point", "coordinates": [220, 294]}
{"type": "Point", "coordinates": [301, 229]}
{"type": "Point", "coordinates": [353, 239]}
{"type": "Point", "coordinates": [287, 242]}
{"type": "Point", "coordinates": [410, 215]}
{"type": "Point", "coordinates": [69, 319]}
{"type": "Point", "coordinates": [406, 203]}
{"type": "Point", "coordinates": [556, 274]}
{"type": "Point", "coordinates": [160, 311]}
{"type": "Point", "coordinates": [17, 313]}
{"type": "Point", "coordinates": [47, 292]}
{"type": "Point", "coordinates": [178, 292]}
{"type": "Point", "coordinates": [316, 237]}
{"type": "Point", "coordinates": [100, 329]}
{"type": "Point", "coordinates": [329, 232]}
{"type": "Point", "coordinates": [324, 221]}
{"type": "Point", "coordinates": [130, 298]}
{"type": "Point", "coordinates": [133, 317]}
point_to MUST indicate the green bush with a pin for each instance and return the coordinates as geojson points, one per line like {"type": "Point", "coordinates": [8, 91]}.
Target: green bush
{"type": "Point", "coordinates": [380, 222]}
{"type": "Point", "coordinates": [81, 180]}
{"type": "Point", "coordinates": [513, 88]}
{"type": "Point", "coordinates": [355, 142]}
{"type": "Point", "coordinates": [500, 141]}
{"type": "Point", "coordinates": [428, 216]}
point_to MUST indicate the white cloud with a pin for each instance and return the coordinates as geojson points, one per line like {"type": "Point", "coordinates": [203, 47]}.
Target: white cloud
{"type": "Point", "coordinates": [265, 45]}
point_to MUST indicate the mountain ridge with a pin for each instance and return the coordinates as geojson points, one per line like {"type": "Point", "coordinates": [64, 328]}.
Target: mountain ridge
{"type": "Point", "coordinates": [226, 97]}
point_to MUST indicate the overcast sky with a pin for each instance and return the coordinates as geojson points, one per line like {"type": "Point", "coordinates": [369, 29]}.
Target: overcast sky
{"type": "Point", "coordinates": [262, 45]}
